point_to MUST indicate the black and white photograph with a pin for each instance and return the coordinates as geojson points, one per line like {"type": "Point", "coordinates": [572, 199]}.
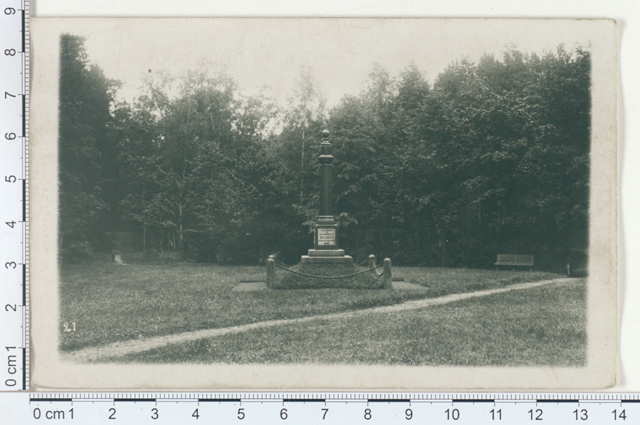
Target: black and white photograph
{"type": "Point", "coordinates": [334, 203]}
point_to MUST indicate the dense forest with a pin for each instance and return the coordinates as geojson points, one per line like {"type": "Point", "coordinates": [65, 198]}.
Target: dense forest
{"type": "Point", "coordinates": [491, 157]}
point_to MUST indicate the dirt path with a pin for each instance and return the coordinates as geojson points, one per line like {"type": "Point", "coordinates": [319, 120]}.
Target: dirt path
{"type": "Point", "coordinates": [136, 346]}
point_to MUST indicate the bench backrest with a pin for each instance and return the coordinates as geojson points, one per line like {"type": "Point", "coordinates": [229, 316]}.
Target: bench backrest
{"type": "Point", "coordinates": [515, 259]}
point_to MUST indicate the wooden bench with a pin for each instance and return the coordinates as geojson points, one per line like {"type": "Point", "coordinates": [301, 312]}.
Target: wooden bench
{"type": "Point", "coordinates": [514, 260]}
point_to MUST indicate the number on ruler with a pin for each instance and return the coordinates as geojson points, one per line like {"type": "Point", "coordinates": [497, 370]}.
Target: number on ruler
{"type": "Point", "coordinates": [581, 415]}
{"type": "Point", "coordinates": [9, 11]}
{"type": "Point", "coordinates": [496, 414]}
{"type": "Point", "coordinates": [622, 415]}
{"type": "Point", "coordinates": [9, 52]}
{"type": "Point", "coordinates": [10, 136]}
{"type": "Point", "coordinates": [408, 414]}
{"type": "Point", "coordinates": [8, 94]}
{"type": "Point", "coordinates": [535, 415]}
{"type": "Point", "coordinates": [324, 415]}
{"type": "Point", "coordinates": [10, 179]}
{"type": "Point", "coordinates": [453, 414]}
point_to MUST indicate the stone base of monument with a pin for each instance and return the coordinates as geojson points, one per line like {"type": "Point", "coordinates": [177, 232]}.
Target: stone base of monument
{"type": "Point", "coordinates": [327, 269]}
{"type": "Point", "coordinates": [326, 256]}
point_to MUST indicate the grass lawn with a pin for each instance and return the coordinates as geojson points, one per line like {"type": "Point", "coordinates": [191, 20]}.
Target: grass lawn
{"type": "Point", "coordinates": [543, 326]}
{"type": "Point", "coordinates": [109, 302]}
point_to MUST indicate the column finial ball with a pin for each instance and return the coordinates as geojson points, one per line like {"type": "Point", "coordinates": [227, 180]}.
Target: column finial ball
{"type": "Point", "coordinates": [325, 134]}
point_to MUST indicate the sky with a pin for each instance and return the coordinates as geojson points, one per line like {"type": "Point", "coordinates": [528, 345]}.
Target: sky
{"type": "Point", "coordinates": [266, 55]}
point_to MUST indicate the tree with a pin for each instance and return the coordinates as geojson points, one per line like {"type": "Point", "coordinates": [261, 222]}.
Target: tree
{"type": "Point", "coordinates": [86, 152]}
{"type": "Point", "coordinates": [137, 130]}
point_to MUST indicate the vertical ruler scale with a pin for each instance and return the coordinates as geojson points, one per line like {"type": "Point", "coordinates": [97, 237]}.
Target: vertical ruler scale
{"type": "Point", "coordinates": [26, 72]}
{"type": "Point", "coordinates": [14, 189]}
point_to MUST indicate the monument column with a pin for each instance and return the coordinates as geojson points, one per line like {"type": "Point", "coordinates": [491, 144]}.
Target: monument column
{"type": "Point", "coordinates": [326, 177]}
{"type": "Point", "coordinates": [326, 230]}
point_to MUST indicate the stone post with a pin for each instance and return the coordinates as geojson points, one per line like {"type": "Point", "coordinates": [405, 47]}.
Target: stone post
{"type": "Point", "coordinates": [271, 272]}
{"type": "Point", "coordinates": [372, 261]}
{"type": "Point", "coordinates": [387, 274]}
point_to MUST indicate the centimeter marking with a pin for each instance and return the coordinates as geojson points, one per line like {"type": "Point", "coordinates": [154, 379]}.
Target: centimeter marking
{"type": "Point", "coordinates": [14, 194]}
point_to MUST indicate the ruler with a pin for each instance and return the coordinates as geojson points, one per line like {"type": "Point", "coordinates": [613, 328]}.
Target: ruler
{"type": "Point", "coordinates": [14, 190]}
{"type": "Point", "coordinates": [317, 408]}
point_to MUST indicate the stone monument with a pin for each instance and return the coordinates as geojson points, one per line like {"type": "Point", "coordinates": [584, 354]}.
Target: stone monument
{"type": "Point", "coordinates": [325, 234]}
{"type": "Point", "coordinates": [326, 265]}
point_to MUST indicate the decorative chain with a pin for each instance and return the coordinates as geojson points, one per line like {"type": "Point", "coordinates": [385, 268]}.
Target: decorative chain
{"type": "Point", "coordinates": [287, 268]}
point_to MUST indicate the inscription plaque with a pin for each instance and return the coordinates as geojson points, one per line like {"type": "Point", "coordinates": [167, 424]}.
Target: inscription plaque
{"type": "Point", "coordinates": [326, 237]}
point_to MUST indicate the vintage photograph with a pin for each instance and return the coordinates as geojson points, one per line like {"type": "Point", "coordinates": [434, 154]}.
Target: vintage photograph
{"type": "Point", "coordinates": [368, 203]}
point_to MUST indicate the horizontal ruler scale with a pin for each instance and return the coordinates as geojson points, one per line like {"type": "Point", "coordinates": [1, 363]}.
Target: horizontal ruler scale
{"type": "Point", "coordinates": [328, 408]}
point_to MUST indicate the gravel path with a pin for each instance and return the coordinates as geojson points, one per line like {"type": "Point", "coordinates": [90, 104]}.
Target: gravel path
{"type": "Point", "coordinates": [136, 346]}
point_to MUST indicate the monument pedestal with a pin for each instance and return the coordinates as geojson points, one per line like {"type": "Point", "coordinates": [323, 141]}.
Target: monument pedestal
{"type": "Point", "coordinates": [326, 266]}
{"type": "Point", "coordinates": [326, 256]}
